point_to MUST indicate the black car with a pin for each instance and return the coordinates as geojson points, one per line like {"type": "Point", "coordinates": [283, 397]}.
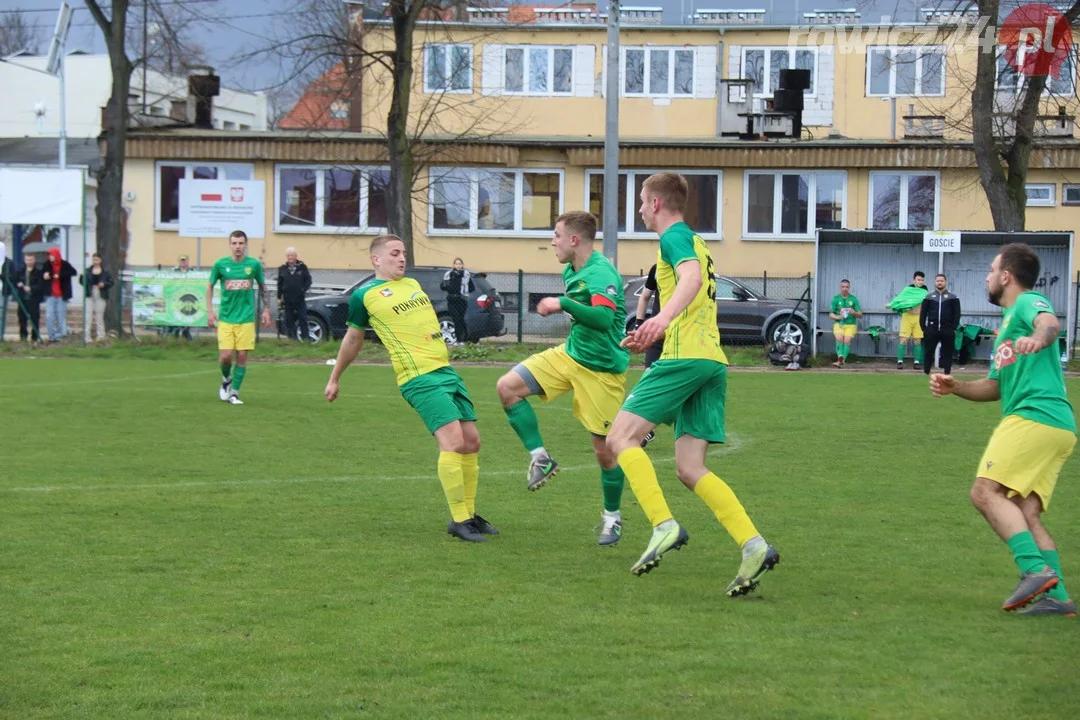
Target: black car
{"type": "Point", "coordinates": [742, 315]}
{"type": "Point", "coordinates": [483, 317]}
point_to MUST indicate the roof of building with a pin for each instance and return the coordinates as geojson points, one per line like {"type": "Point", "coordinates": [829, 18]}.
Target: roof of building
{"type": "Point", "coordinates": [81, 152]}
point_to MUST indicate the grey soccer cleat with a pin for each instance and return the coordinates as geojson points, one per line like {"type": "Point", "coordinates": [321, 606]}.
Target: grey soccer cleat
{"type": "Point", "coordinates": [661, 542]}
{"type": "Point", "coordinates": [541, 470]}
{"type": "Point", "coordinates": [1047, 605]}
{"type": "Point", "coordinates": [465, 531]}
{"type": "Point", "coordinates": [1030, 586]}
{"type": "Point", "coordinates": [751, 570]}
{"type": "Point", "coordinates": [610, 530]}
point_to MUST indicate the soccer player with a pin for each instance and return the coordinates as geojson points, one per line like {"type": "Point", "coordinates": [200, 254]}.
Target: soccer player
{"type": "Point", "coordinates": [1019, 469]}
{"type": "Point", "coordinates": [236, 325]}
{"type": "Point", "coordinates": [909, 303]}
{"type": "Point", "coordinates": [402, 316]}
{"type": "Point", "coordinates": [591, 364]}
{"type": "Point", "coordinates": [648, 292]}
{"type": "Point", "coordinates": [845, 313]}
{"type": "Point", "coordinates": [686, 387]}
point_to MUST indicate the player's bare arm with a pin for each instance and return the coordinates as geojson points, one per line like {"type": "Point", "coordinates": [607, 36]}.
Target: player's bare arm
{"type": "Point", "coordinates": [264, 297]}
{"type": "Point", "coordinates": [983, 390]}
{"type": "Point", "coordinates": [687, 287]}
{"type": "Point", "coordinates": [351, 345]}
{"type": "Point", "coordinates": [1046, 332]}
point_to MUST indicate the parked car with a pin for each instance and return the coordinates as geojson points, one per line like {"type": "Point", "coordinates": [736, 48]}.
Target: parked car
{"type": "Point", "coordinates": [483, 317]}
{"type": "Point", "coordinates": [742, 315]}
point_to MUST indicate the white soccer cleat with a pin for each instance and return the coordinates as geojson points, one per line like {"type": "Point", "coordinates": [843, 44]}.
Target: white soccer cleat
{"type": "Point", "coordinates": [234, 399]}
{"type": "Point", "coordinates": [225, 389]}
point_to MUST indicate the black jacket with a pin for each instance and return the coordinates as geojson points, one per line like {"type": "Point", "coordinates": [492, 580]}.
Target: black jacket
{"type": "Point", "coordinates": [7, 278]}
{"type": "Point", "coordinates": [32, 288]}
{"type": "Point", "coordinates": [457, 282]}
{"type": "Point", "coordinates": [67, 274]}
{"type": "Point", "coordinates": [292, 286]}
{"type": "Point", "coordinates": [104, 277]}
{"type": "Point", "coordinates": [940, 311]}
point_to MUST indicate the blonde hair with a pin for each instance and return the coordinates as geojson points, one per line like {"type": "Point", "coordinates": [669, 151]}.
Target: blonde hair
{"type": "Point", "coordinates": [671, 188]}
{"type": "Point", "coordinates": [379, 242]}
{"type": "Point", "coordinates": [580, 223]}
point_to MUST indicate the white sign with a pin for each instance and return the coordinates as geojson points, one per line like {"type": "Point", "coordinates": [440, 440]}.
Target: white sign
{"type": "Point", "coordinates": [940, 241]}
{"type": "Point", "coordinates": [41, 197]}
{"type": "Point", "coordinates": [214, 208]}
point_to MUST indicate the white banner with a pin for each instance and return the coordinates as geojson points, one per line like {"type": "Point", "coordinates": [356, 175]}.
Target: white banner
{"type": "Point", "coordinates": [940, 241]}
{"type": "Point", "coordinates": [214, 208]}
{"type": "Point", "coordinates": [41, 196]}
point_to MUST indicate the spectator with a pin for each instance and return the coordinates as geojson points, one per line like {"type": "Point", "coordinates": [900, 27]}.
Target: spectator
{"type": "Point", "coordinates": [29, 292]}
{"type": "Point", "coordinates": [57, 274]}
{"type": "Point", "coordinates": [293, 282]}
{"type": "Point", "coordinates": [652, 354]}
{"type": "Point", "coordinates": [181, 330]}
{"type": "Point", "coordinates": [939, 317]}
{"type": "Point", "coordinates": [7, 274]}
{"type": "Point", "coordinates": [96, 282]}
{"type": "Point", "coordinates": [457, 283]}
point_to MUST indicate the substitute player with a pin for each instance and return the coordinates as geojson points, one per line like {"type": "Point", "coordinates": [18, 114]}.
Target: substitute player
{"type": "Point", "coordinates": [237, 274]}
{"type": "Point", "coordinates": [686, 387]}
{"type": "Point", "coordinates": [1016, 476]}
{"type": "Point", "coordinates": [909, 304]}
{"type": "Point", "coordinates": [591, 364]}
{"type": "Point", "coordinates": [402, 316]}
{"type": "Point", "coordinates": [845, 312]}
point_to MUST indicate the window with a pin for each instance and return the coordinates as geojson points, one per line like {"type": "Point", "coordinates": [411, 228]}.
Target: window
{"type": "Point", "coordinates": [330, 199]}
{"type": "Point", "coordinates": [782, 203]}
{"type": "Point", "coordinates": [167, 184]}
{"type": "Point", "coordinates": [339, 110]}
{"type": "Point", "coordinates": [1041, 194]}
{"type": "Point", "coordinates": [448, 68]}
{"type": "Point", "coordinates": [494, 201]}
{"type": "Point", "coordinates": [537, 70]}
{"type": "Point", "coordinates": [905, 71]}
{"type": "Point", "coordinates": [1009, 80]}
{"type": "Point", "coordinates": [702, 211]}
{"type": "Point", "coordinates": [904, 200]}
{"type": "Point", "coordinates": [658, 72]}
{"type": "Point", "coordinates": [763, 66]}
{"type": "Point", "coordinates": [1070, 194]}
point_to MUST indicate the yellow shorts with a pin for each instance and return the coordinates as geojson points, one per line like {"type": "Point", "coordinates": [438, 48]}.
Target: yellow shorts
{"type": "Point", "coordinates": [909, 326]}
{"type": "Point", "coordinates": [1026, 457]}
{"type": "Point", "coordinates": [238, 336]}
{"type": "Point", "coordinates": [848, 331]}
{"type": "Point", "coordinates": [597, 395]}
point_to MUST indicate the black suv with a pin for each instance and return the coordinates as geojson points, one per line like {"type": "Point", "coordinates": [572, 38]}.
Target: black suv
{"type": "Point", "coordinates": [483, 317]}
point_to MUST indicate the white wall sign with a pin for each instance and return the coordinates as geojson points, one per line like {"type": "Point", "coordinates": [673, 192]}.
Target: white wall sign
{"type": "Point", "coordinates": [41, 197]}
{"type": "Point", "coordinates": [940, 241]}
{"type": "Point", "coordinates": [214, 208]}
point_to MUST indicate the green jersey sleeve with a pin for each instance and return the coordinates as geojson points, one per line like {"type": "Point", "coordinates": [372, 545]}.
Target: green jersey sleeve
{"type": "Point", "coordinates": [1030, 305]}
{"type": "Point", "coordinates": [836, 304]}
{"type": "Point", "coordinates": [677, 247]}
{"type": "Point", "coordinates": [215, 273]}
{"type": "Point", "coordinates": [855, 304]}
{"type": "Point", "coordinates": [358, 314]}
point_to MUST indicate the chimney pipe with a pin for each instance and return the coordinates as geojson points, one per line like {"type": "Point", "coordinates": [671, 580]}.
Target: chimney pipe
{"type": "Point", "coordinates": [202, 89]}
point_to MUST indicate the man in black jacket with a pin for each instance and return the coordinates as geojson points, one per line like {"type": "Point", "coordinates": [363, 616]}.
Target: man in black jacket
{"type": "Point", "coordinates": [939, 318]}
{"type": "Point", "coordinates": [293, 282]}
{"type": "Point", "coordinates": [29, 292]}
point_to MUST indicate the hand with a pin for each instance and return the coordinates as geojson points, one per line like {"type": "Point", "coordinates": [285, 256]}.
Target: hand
{"type": "Point", "coordinates": [266, 321]}
{"type": "Point", "coordinates": [942, 385]}
{"type": "Point", "coordinates": [1027, 346]}
{"type": "Point", "coordinates": [211, 321]}
{"type": "Point", "coordinates": [47, 276]}
{"type": "Point", "coordinates": [101, 285]}
{"type": "Point", "coordinates": [548, 306]}
{"type": "Point", "coordinates": [646, 335]}
{"type": "Point", "coordinates": [331, 391]}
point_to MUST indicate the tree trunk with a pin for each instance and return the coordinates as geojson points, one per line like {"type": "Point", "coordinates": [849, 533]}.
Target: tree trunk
{"type": "Point", "coordinates": [399, 149]}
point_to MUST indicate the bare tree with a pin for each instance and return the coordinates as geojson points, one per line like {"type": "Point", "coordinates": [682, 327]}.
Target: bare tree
{"type": "Point", "coordinates": [16, 34]}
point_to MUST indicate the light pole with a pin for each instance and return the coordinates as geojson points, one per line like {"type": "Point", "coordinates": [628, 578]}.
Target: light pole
{"type": "Point", "coordinates": [611, 140]}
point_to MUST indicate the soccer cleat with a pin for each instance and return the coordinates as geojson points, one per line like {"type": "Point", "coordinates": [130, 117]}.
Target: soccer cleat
{"type": "Point", "coordinates": [661, 542]}
{"type": "Point", "coordinates": [234, 399]}
{"type": "Point", "coordinates": [900, 365]}
{"type": "Point", "coordinates": [225, 389]}
{"type": "Point", "coordinates": [483, 526]}
{"type": "Point", "coordinates": [838, 364]}
{"type": "Point", "coordinates": [649, 437]}
{"type": "Point", "coordinates": [918, 365]}
{"type": "Point", "coordinates": [465, 530]}
{"type": "Point", "coordinates": [751, 570]}
{"type": "Point", "coordinates": [1030, 586]}
{"type": "Point", "coordinates": [1047, 605]}
{"type": "Point", "coordinates": [610, 529]}
{"type": "Point", "coordinates": [541, 470]}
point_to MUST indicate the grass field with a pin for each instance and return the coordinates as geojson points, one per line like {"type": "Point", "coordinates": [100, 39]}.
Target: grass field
{"type": "Point", "coordinates": [168, 555]}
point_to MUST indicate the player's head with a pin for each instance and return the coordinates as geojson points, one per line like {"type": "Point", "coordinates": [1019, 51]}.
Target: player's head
{"type": "Point", "coordinates": [238, 244]}
{"type": "Point", "coordinates": [459, 264]}
{"type": "Point", "coordinates": [290, 255]}
{"type": "Point", "coordinates": [845, 287]}
{"type": "Point", "coordinates": [941, 282]}
{"type": "Point", "coordinates": [1014, 270]}
{"type": "Point", "coordinates": [388, 257]}
{"type": "Point", "coordinates": [919, 278]}
{"type": "Point", "coordinates": [574, 234]}
{"type": "Point", "coordinates": [663, 194]}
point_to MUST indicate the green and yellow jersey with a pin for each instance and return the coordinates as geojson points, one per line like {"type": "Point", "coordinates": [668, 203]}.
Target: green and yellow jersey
{"type": "Point", "coordinates": [850, 304]}
{"type": "Point", "coordinates": [401, 314]}
{"type": "Point", "coordinates": [1032, 386]}
{"type": "Point", "coordinates": [237, 288]}
{"type": "Point", "coordinates": [596, 284]}
{"type": "Point", "coordinates": [693, 333]}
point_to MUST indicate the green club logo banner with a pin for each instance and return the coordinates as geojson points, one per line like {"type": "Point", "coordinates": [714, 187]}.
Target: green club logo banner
{"type": "Point", "coordinates": [170, 298]}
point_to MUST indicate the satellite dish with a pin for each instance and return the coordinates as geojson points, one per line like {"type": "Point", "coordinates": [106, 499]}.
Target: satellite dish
{"type": "Point", "coordinates": [39, 109]}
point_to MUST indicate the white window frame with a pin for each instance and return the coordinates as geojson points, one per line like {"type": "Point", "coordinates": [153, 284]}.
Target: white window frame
{"type": "Point", "coordinates": [320, 200]}
{"type": "Point", "coordinates": [648, 50]}
{"type": "Point", "coordinates": [449, 62]}
{"type": "Point", "coordinates": [904, 175]}
{"type": "Point", "coordinates": [474, 201]}
{"type": "Point", "coordinates": [922, 51]}
{"type": "Point", "coordinates": [1051, 194]}
{"type": "Point", "coordinates": [526, 49]}
{"type": "Point", "coordinates": [811, 225]}
{"type": "Point", "coordinates": [633, 203]}
{"type": "Point", "coordinates": [1020, 77]}
{"type": "Point", "coordinates": [1065, 188]}
{"type": "Point", "coordinates": [767, 70]}
{"type": "Point", "coordinates": [219, 166]}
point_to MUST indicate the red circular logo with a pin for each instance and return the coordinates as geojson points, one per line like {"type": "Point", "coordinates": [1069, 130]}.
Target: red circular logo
{"type": "Point", "coordinates": [1037, 40]}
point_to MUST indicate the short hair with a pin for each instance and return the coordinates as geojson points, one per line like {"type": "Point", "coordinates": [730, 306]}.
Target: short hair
{"type": "Point", "coordinates": [579, 222]}
{"type": "Point", "coordinates": [1021, 262]}
{"type": "Point", "coordinates": [941, 275]}
{"type": "Point", "coordinates": [290, 250]}
{"type": "Point", "coordinates": [919, 273]}
{"type": "Point", "coordinates": [239, 234]}
{"type": "Point", "coordinates": [845, 280]}
{"type": "Point", "coordinates": [379, 241]}
{"type": "Point", "coordinates": [671, 188]}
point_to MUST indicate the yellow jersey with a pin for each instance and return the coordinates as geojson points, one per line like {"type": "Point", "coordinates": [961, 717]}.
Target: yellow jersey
{"type": "Point", "coordinates": [692, 334]}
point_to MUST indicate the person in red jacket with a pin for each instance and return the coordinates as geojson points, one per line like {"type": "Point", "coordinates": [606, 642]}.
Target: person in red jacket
{"type": "Point", "coordinates": [57, 274]}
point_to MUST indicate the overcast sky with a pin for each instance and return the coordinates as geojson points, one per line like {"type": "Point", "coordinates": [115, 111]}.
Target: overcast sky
{"type": "Point", "coordinates": [246, 23]}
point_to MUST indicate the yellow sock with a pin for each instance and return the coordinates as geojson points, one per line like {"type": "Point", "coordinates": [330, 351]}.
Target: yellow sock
{"type": "Point", "coordinates": [728, 510]}
{"type": "Point", "coordinates": [470, 470]}
{"type": "Point", "coordinates": [642, 477]}
{"type": "Point", "coordinates": [453, 483]}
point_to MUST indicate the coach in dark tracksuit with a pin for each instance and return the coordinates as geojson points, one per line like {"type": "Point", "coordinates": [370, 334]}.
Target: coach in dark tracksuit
{"type": "Point", "coordinates": [939, 318]}
{"type": "Point", "coordinates": [293, 282]}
